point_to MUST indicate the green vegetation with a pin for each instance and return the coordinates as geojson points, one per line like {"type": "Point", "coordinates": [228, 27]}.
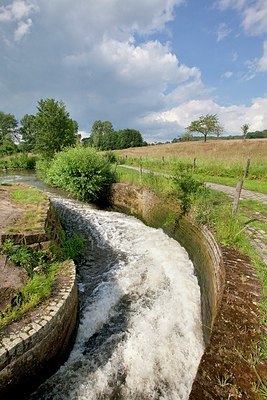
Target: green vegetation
{"type": "Point", "coordinates": [206, 125]}
{"type": "Point", "coordinates": [28, 196]}
{"type": "Point", "coordinates": [208, 170]}
{"type": "Point", "coordinates": [54, 129]}
{"type": "Point", "coordinates": [37, 289]}
{"type": "Point", "coordinates": [81, 171]}
{"type": "Point", "coordinates": [214, 209]}
{"type": "Point", "coordinates": [19, 161]}
{"type": "Point", "coordinates": [42, 267]}
{"type": "Point", "coordinates": [46, 133]}
{"type": "Point", "coordinates": [8, 133]}
{"type": "Point", "coordinates": [104, 137]}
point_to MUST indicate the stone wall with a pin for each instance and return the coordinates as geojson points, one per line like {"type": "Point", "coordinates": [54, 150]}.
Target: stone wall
{"type": "Point", "coordinates": [197, 240]}
{"type": "Point", "coordinates": [35, 347]}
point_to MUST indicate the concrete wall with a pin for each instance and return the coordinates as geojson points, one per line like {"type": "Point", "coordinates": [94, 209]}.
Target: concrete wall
{"type": "Point", "coordinates": [32, 349]}
{"type": "Point", "coordinates": [197, 240]}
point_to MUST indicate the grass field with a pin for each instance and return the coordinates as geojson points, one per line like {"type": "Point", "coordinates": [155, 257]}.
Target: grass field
{"type": "Point", "coordinates": [218, 161]}
{"type": "Point", "coordinates": [232, 150]}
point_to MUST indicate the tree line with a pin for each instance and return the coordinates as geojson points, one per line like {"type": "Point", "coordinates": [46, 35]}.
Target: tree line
{"type": "Point", "coordinates": [51, 130]}
{"type": "Point", "coordinates": [47, 132]}
{"type": "Point", "coordinates": [104, 137]}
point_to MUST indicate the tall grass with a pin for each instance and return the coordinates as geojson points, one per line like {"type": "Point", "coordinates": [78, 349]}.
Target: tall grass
{"type": "Point", "coordinates": [208, 170]}
{"type": "Point", "coordinates": [19, 161]}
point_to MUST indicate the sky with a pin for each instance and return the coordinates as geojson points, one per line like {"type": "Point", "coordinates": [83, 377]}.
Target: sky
{"type": "Point", "coordinates": [151, 65]}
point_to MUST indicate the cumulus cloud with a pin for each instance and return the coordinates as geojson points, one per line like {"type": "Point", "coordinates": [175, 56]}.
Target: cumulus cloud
{"type": "Point", "coordinates": [22, 29]}
{"type": "Point", "coordinates": [231, 117]}
{"type": "Point", "coordinates": [101, 59]}
{"type": "Point", "coordinates": [16, 11]}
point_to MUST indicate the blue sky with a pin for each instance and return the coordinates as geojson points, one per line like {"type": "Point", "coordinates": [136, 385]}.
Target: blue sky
{"type": "Point", "coordinates": [152, 65]}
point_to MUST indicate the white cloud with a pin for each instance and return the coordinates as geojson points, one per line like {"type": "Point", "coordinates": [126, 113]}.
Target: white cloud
{"type": "Point", "coordinates": [16, 11]}
{"type": "Point", "coordinates": [223, 4]}
{"type": "Point", "coordinates": [231, 117]}
{"type": "Point", "coordinates": [262, 64]}
{"type": "Point", "coordinates": [227, 74]}
{"type": "Point", "coordinates": [223, 32]}
{"type": "Point", "coordinates": [22, 29]}
{"type": "Point", "coordinates": [255, 18]}
{"type": "Point", "coordinates": [254, 14]}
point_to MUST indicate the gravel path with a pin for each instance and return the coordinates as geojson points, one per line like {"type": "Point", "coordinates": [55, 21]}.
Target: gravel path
{"type": "Point", "coordinates": [258, 237]}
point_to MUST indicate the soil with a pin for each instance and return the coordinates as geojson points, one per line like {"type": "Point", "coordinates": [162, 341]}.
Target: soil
{"type": "Point", "coordinates": [231, 367]}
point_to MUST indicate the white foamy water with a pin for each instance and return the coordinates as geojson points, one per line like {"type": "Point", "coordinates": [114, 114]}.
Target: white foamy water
{"type": "Point", "coordinates": [140, 334]}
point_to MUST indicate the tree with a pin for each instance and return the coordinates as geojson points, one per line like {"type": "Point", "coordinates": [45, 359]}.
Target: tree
{"type": "Point", "coordinates": [8, 128]}
{"type": "Point", "coordinates": [245, 129]}
{"type": "Point", "coordinates": [186, 137]}
{"type": "Point", "coordinates": [98, 131]}
{"type": "Point", "coordinates": [55, 130]}
{"type": "Point", "coordinates": [206, 124]}
{"type": "Point", "coordinates": [129, 138]}
{"type": "Point", "coordinates": [28, 132]}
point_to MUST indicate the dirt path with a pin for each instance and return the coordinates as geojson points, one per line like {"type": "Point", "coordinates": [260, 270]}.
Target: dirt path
{"type": "Point", "coordinates": [245, 194]}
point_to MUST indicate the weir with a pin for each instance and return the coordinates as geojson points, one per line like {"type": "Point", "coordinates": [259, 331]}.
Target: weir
{"type": "Point", "coordinates": [140, 331]}
{"type": "Point", "coordinates": [141, 316]}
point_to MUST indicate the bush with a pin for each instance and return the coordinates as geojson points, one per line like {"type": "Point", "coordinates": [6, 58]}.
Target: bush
{"type": "Point", "coordinates": [21, 161]}
{"type": "Point", "coordinates": [187, 187]}
{"type": "Point", "coordinates": [82, 172]}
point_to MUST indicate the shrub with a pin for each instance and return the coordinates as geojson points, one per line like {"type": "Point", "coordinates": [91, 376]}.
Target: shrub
{"type": "Point", "coordinates": [20, 161]}
{"type": "Point", "coordinates": [187, 187]}
{"type": "Point", "coordinates": [81, 171]}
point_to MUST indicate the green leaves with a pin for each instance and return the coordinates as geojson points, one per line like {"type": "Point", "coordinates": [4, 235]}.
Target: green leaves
{"type": "Point", "coordinates": [54, 129]}
{"type": "Point", "coordinates": [81, 171]}
{"type": "Point", "coordinates": [207, 125]}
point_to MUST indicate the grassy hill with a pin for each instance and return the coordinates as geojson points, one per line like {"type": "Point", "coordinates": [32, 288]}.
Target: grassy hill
{"type": "Point", "coordinates": [232, 150]}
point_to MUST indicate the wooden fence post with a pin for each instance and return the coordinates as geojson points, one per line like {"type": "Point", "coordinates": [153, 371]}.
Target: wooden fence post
{"type": "Point", "coordinates": [140, 168]}
{"type": "Point", "coordinates": [194, 164]}
{"type": "Point", "coordinates": [237, 197]}
{"type": "Point", "coordinates": [238, 190]}
{"type": "Point", "coordinates": [115, 170]}
{"type": "Point", "coordinates": [247, 168]}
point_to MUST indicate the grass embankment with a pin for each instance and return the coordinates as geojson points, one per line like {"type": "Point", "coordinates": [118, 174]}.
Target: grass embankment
{"type": "Point", "coordinates": [42, 265]}
{"type": "Point", "coordinates": [34, 207]}
{"type": "Point", "coordinates": [18, 161]}
{"type": "Point", "coordinates": [219, 161]}
{"type": "Point", "coordinates": [214, 209]}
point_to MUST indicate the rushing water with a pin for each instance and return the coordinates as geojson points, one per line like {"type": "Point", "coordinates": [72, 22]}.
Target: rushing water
{"type": "Point", "coordinates": [140, 334]}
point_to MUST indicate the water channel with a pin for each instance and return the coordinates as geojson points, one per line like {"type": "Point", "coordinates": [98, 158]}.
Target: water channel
{"type": "Point", "coordinates": [140, 331]}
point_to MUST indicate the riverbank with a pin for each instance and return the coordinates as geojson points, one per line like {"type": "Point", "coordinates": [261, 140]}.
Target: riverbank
{"type": "Point", "coordinates": [234, 364]}
{"type": "Point", "coordinates": [38, 305]}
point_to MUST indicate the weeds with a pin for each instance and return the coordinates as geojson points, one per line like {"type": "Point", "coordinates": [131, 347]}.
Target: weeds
{"type": "Point", "coordinates": [28, 196]}
{"type": "Point", "coordinates": [41, 266]}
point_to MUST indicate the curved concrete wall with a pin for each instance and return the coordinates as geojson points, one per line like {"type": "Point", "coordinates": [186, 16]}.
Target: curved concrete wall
{"type": "Point", "coordinates": [197, 240]}
{"type": "Point", "coordinates": [34, 348]}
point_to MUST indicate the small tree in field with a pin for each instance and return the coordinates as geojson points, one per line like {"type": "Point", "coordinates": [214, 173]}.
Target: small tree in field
{"type": "Point", "coordinates": [245, 129]}
{"type": "Point", "coordinates": [207, 125]}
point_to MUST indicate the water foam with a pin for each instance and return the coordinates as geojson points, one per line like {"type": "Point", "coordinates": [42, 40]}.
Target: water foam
{"type": "Point", "coordinates": [140, 333]}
